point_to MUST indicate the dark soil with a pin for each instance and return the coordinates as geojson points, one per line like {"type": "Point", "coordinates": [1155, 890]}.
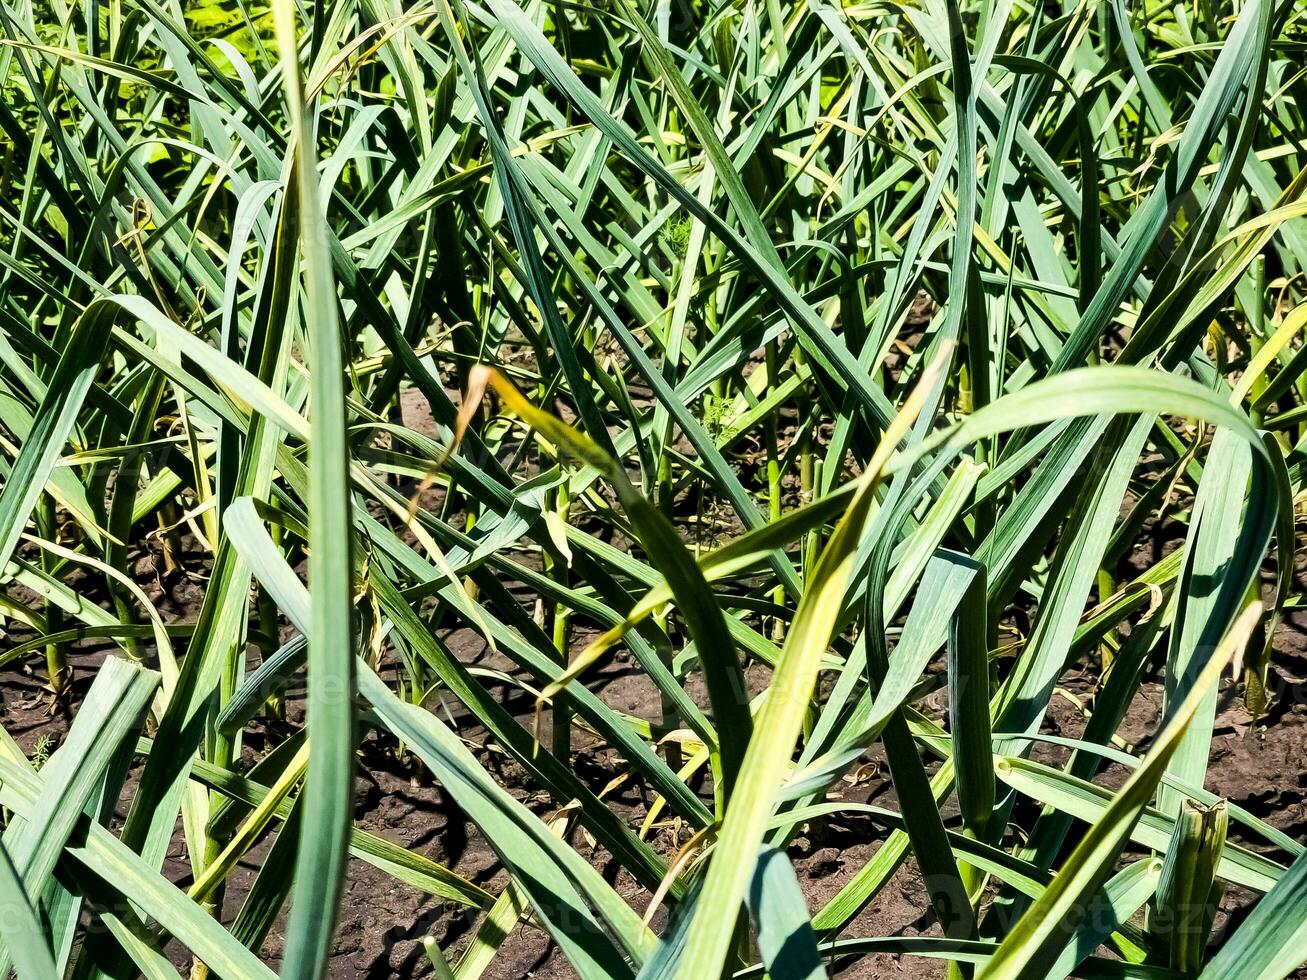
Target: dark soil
{"type": "Point", "coordinates": [384, 921]}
